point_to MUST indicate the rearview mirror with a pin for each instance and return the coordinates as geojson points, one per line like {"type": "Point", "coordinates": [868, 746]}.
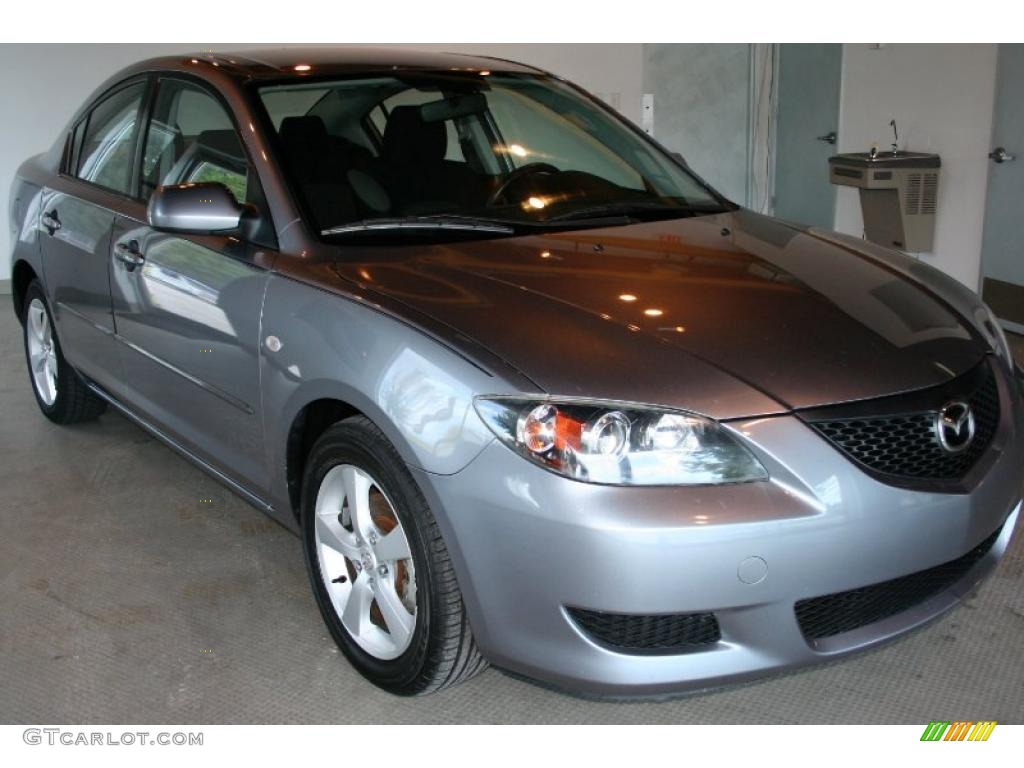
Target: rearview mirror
{"type": "Point", "coordinates": [200, 207]}
{"type": "Point", "coordinates": [679, 158]}
{"type": "Point", "coordinates": [453, 107]}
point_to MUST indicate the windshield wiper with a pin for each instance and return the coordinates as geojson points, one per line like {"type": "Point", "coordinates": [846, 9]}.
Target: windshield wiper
{"type": "Point", "coordinates": [627, 209]}
{"type": "Point", "coordinates": [439, 221]}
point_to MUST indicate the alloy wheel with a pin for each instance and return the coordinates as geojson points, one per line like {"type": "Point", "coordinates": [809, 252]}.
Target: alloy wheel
{"type": "Point", "coordinates": [41, 352]}
{"type": "Point", "coordinates": [365, 562]}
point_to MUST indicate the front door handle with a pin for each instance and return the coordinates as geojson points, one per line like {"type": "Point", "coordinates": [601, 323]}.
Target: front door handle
{"type": "Point", "coordinates": [129, 254]}
{"type": "Point", "coordinates": [51, 221]}
{"type": "Point", "coordinates": [1000, 155]}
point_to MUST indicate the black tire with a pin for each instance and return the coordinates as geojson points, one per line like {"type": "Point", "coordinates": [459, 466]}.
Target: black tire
{"type": "Point", "coordinates": [442, 651]}
{"type": "Point", "coordinates": [74, 402]}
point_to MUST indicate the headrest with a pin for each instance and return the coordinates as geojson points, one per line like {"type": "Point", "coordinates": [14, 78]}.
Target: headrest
{"type": "Point", "coordinates": [224, 142]}
{"type": "Point", "coordinates": [409, 140]}
{"type": "Point", "coordinates": [303, 130]}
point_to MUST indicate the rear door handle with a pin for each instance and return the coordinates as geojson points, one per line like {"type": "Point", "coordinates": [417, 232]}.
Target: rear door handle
{"type": "Point", "coordinates": [129, 254]}
{"type": "Point", "coordinates": [51, 221]}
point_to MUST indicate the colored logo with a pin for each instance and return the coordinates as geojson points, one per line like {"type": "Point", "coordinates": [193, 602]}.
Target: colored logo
{"type": "Point", "coordinates": [958, 731]}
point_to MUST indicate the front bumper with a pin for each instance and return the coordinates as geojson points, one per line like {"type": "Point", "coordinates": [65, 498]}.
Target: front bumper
{"type": "Point", "coordinates": [529, 544]}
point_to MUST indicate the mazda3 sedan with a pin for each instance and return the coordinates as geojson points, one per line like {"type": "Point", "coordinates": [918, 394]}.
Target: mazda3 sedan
{"type": "Point", "coordinates": [531, 391]}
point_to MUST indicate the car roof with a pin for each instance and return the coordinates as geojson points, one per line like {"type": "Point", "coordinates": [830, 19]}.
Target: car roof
{"type": "Point", "coordinates": [278, 63]}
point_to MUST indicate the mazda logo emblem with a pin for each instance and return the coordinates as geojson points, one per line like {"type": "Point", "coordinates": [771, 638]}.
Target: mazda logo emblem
{"type": "Point", "coordinates": [954, 426]}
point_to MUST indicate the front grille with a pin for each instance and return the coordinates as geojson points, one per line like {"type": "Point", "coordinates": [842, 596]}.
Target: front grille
{"type": "Point", "coordinates": [662, 634]}
{"type": "Point", "coordinates": [821, 617]}
{"type": "Point", "coordinates": [904, 444]}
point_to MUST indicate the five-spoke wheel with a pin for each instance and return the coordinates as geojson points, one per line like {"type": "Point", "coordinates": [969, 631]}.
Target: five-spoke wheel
{"type": "Point", "coordinates": [365, 561]}
{"type": "Point", "coordinates": [42, 357]}
{"type": "Point", "coordinates": [62, 395]}
{"type": "Point", "coordinates": [379, 567]}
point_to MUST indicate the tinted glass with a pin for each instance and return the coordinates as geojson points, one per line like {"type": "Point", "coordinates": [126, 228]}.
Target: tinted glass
{"type": "Point", "coordinates": [108, 147]}
{"type": "Point", "coordinates": [191, 138]}
{"type": "Point", "coordinates": [523, 150]}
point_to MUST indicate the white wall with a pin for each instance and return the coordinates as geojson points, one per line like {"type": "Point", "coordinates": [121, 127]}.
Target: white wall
{"type": "Point", "coordinates": [941, 97]}
{"type": "Point", "coordinates": [702, 108]}
{"type": "Point", "coordinates": [42, 85]}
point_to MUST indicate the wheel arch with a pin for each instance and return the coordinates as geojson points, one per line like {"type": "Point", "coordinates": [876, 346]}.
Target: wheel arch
{"type": "Point", "coordinates": [22, 276]}
{"type": "Point", "coordinates": [308, 424]}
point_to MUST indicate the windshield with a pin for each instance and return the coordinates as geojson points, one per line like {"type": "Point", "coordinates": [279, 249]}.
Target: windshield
{"type": "Point", "coordinates": [432, 152]}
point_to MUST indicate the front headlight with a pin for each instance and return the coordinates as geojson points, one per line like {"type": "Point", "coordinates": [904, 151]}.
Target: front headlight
{"type": "Point", "coordinates": [615, 444]}
{"type": "Point", "coordinates": [993, 332]}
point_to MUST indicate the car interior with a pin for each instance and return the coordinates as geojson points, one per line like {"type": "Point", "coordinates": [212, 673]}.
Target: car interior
{"type": "Point", "coordinates": [402, 149]}
{"type": "Point", "coordinates": [405, 170]}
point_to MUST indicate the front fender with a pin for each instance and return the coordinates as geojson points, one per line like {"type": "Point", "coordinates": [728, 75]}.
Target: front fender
{"type": "Point", "coordinates": [419, 392]}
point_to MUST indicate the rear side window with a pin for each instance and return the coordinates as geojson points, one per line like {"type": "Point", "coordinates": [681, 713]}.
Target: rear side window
{"type": "Point", "coordinates": [108, 143]}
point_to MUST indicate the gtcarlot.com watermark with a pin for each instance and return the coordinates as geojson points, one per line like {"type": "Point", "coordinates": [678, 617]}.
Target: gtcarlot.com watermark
{"type": "Point", "coordinates": [71, 738]}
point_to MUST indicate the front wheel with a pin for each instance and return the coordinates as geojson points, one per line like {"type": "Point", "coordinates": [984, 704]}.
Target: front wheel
{"type": "Point", "coordinates": [60, 392]}
{"type": "Point", "coordinates": [379, 568]}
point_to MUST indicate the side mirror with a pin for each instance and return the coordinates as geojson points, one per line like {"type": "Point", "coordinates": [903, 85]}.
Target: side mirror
{"type": "Point", "coordinates": [196, 208]}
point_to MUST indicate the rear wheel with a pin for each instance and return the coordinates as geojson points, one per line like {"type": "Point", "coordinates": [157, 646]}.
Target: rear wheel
{"type": "Point", "coordinates": [379, 568]}
{"type": "Point", "coordinates": [60, 392]}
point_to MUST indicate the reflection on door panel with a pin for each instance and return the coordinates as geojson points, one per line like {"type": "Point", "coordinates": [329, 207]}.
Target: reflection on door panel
{"type": "Point", "coordinates": [76, 264]}
{"type": "Point", "coordinates": [190, 317]}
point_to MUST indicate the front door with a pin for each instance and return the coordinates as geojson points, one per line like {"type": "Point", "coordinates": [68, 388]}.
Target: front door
{"type": "Point", "coordinates": [187, 307]}
{"type": "Point", "coordinates": [1002, 256]}
{"type": "Point", "coordinates": [808, 121]}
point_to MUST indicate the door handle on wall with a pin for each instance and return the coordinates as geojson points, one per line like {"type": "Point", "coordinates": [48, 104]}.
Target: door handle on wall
{"type": "Point", "coordinates": [129, 254]}
{"type": "Point", "coordinates": [1000, 155]}
{"type": "Point", "coordinates": [828, 138]}
{"type": "Point", "coordinates": [51, 221]}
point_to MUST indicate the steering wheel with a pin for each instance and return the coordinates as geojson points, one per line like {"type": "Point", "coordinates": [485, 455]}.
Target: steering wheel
{"type": "Point", "coordinates": [519, 173]}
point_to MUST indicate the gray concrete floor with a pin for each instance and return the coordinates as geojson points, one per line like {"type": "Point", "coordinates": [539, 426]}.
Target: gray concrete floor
{"type": "Point", "coordinates": [134, 589]}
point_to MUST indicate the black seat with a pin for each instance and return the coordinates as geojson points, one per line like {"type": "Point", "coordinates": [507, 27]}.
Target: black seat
{"type": "Point", "coordinates": [318, 170]}
{"type": "Point", "coordinates": [418, 175]}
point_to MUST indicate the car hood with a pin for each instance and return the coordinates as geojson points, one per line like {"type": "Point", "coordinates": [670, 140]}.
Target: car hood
{"type": "Point", "coordinates": [729, 315]}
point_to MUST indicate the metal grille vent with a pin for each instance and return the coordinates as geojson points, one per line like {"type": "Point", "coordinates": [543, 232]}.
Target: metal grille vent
{"type": "Point", "coordinates": [913, 202]}
{"type": "Point", "coordinates": [929, 193]}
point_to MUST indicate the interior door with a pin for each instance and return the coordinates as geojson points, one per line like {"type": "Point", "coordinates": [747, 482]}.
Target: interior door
{"type": "Point", "coordinates": [1002, 255]}
{"type": "Point", "coordinates": [806, 132]}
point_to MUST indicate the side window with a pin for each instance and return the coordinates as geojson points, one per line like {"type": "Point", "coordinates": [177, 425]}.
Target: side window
{"type": "Point", "coordinates": [108, 143]}
{"type": "Point", "coordinates": [191, 138]}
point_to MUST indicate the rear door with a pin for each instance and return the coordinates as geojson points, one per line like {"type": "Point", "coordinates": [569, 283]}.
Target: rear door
{"type": "Point", "coordinates": [188, 316]}
{"type": "Point", "coordinates": [78, 213]}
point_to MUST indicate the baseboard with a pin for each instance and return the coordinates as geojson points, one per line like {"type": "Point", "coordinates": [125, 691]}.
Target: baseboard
{"type": "Point", "coordinates": [5, 286]}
